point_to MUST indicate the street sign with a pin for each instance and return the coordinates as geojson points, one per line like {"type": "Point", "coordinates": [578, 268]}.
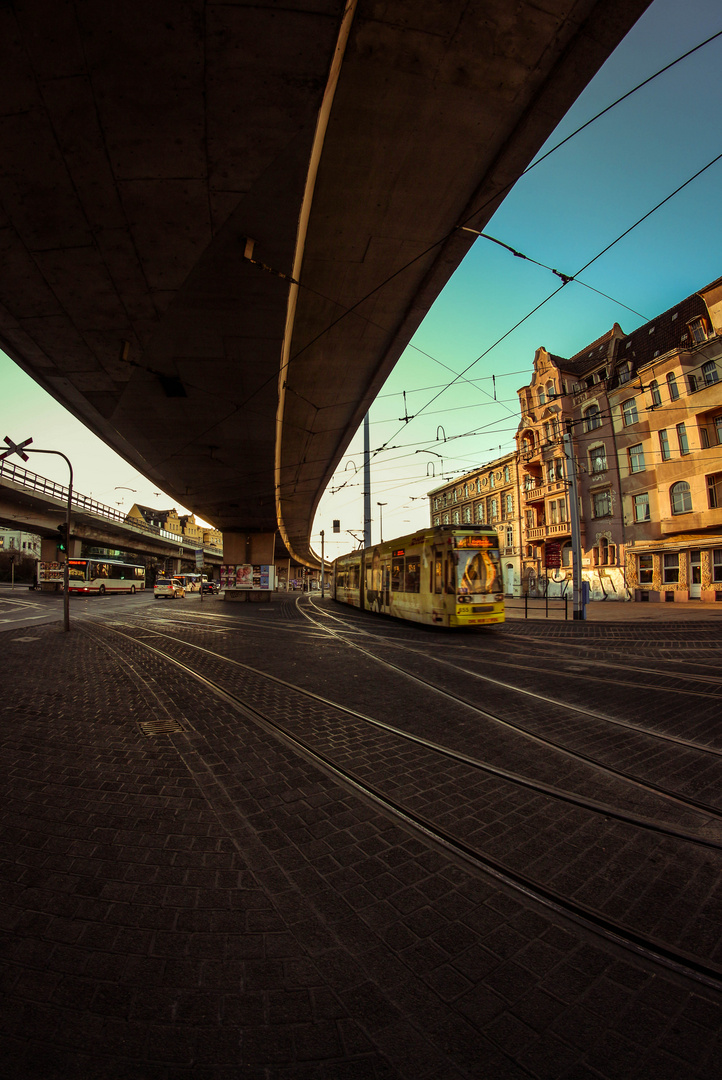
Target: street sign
{"type": "Point", "coordinates": [199, 556]}
{"type": "Point", "coordinates": [552, 556]}
{"type": "Point", "coordinates": [16, 448]}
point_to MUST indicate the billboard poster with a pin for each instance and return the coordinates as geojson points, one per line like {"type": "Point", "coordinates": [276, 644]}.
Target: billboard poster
{"type": "Point", "coordinates": [51, 571]}
{"type": "Point", "coordinates": [246, 576]}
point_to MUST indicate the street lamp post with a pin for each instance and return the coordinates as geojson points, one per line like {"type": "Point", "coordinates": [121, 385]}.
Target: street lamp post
{"type": "Point", "coordinates": [381, 520]}
{"type": "Point", "coordinates": [22, 450]}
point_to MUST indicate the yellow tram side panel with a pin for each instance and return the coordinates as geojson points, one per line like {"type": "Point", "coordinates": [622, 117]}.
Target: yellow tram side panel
{"type": "Point", "coordinates": [363, 580]}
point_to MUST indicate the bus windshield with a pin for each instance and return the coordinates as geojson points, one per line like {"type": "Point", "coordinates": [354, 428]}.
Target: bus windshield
{"type": "Point", "coordinates": [478, 572]}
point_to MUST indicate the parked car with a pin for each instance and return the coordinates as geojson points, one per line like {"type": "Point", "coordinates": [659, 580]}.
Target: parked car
{"type": "Point", "coordinates": [170, 587]}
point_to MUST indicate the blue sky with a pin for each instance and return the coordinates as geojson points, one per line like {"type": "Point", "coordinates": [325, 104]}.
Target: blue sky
{"type": "Point", "coordinates": [561, 213]}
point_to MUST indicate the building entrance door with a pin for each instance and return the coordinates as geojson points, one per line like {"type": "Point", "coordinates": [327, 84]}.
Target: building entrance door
{"type": "Point", "coordinates": [695, 574]}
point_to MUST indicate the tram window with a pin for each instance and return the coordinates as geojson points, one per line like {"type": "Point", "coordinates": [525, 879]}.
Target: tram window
{"type": "Point", "coordinates": [450, 574]}
{"type": "Point", "coordinates": [438, 574]}
{"type": "Point", "coordinates": [413, 574]}
{"type": "Point", "coordinates": [397, 573]}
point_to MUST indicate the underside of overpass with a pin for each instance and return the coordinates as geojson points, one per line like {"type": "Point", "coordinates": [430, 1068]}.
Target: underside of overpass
{"type": "Point", "coordinates": [221, 223]}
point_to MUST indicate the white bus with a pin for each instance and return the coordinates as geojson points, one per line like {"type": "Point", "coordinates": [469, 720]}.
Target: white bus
{"type": "Point", "coordinates": [98, 575]}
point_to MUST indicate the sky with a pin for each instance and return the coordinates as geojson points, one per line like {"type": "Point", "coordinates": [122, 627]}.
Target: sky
{"type": "Point", "coordinates": [563, 213]}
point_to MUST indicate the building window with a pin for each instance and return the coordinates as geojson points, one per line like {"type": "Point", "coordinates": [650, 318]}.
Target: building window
{"type": "Point", "coordinates": [562, 509]}
{"type": "Point", "coordinates": [509, 537]}
{"type": "Point", "coordinates": [636, 458]}
{"type": "Point", "coordinates": [645, 569]}
{"type": "Point", "coordinates": [530, 519]}
{"type": "Point", "coordinates": [446, 518]}
{"type": "Point", "coordinates": [551, 391]}
{"type": "Point", "coordinates": [553, 512]}
{"type": "Point", "coordinates": [664, 445]}
{"type": "Point", "coordinates": [492, 481]}
{"type": "Point", "coordinates": [437, 520]}
{"type": "Point", "coordinates": [625, 372]}
{"type": "Point", "coordinates": [542, 396]}
{"type": "Point", "coordinates": [654, 391]}
{"type": "Point", "coordinates": [455, 517]}
{"type": "Point", "coordinates": [480, 517]}
{"type": "Point", "coordinates": [605, 554]}
{"type": "Point", "coordinates": [641, 507]}
{"type": "Point", "coordinates": [718, 429]}
{"type": "Point", "coordinates": [680, 497]}
{"type": "Point", "coordinates": [466, 491]}
{"type": "Point", "coordinates": [629, 412]}
{"type": "Point", "coordinates": [467, 515]}
{"type": "Point", "coordinates": [709, 373]}
{"type": "Point", "coordinates": [592, 418]}
{"type": "Point", "coordinates": [692, 382]}
{"type": "Point", "coordinates": [682, 439]}
{"type": "Point", "coordinates": [598, 459]}
{"type": "Point", "coordinates": [670, 575]}
{"type": "Point", "coordinates": [672, 386]}
{"type": "Point", "coordinates": [456, 495]}
{"type": "Point", "coordinates": [493, 509]}
{"type": "Point", "coordinates": [714, 490]}
{"type": "Point", "coordinates": [601, 504]}
{"type": "Point", "coordinates": [509, 508]}
{"type": "Point", "coordinates": [507, 474]}
{"type": "Point", "coordinates": [703, 437]}
{"type": "Point", "coordinates": [717, 564]}
{"type": "Point", "coordinates": [698, 330]}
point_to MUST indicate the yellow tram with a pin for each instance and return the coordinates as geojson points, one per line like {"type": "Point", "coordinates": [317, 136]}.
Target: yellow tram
{"type": "Point", "coordinates": [446, 576]}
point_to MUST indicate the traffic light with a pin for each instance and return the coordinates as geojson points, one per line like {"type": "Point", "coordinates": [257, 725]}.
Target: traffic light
{"type": "Point", "coordinates": [62, 542]}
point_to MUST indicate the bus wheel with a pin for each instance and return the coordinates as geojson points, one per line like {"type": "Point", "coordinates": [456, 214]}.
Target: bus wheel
{"type": "Point", "coordinates": [132, 589]}
{"type": "Point", "coordinates": [101, 590]}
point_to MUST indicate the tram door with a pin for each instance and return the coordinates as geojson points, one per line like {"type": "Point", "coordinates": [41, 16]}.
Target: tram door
{"type": "Point", "coordinates": [387, 585]}
{"type": "Point", "coordinates": [438, 585]}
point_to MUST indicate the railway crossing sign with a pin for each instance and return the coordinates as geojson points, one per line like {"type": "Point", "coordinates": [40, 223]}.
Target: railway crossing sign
{"type": "Point", "coordinates": [16, 448]}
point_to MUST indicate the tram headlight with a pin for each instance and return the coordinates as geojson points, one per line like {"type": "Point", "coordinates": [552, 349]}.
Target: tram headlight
{"type": "Point", "coordinates": [499, 597]}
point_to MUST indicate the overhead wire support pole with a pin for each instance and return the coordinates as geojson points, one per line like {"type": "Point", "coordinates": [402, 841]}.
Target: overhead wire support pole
{"type": "Point", "coordinates": [577, 582]}
{"type": "Point", "coordinates": [367, 484]}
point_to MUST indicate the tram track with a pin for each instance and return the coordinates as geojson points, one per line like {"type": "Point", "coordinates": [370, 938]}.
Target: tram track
{"type": "Point", "coordinates": [355, 759]}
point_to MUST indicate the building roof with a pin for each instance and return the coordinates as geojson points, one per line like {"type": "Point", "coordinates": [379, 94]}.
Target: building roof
{"type": "Point", "coordinates": [663, 334]}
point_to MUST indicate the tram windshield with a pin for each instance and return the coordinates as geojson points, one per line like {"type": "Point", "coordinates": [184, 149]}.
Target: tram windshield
{"type": "Point", "coordinates": [479, 571]}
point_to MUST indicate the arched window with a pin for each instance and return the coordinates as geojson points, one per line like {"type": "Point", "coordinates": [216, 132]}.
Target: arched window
{"type": "Point", "coordinates": [551, 390]}
{"type": "Point", "coordinates": [709, 373]}
{"type": "Point", "coordinates": [654, 391]}
{"type": "Point", "coordinates": [680, 497]}
{"type": "Point", "coordinates": [542, 396]}
{"type": "Point", "coordinates": [672, 386]}
{"type": "Point", "coordinates": [507, 475]}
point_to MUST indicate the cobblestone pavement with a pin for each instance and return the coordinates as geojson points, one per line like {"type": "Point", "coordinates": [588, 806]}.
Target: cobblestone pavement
{"type": "Point", "coordinates": [208, 903]}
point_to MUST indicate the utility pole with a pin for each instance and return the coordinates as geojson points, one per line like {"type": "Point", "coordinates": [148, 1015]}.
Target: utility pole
{"type": "Point", "coordinates": [577, 583]}
{"type": "Point", "coordinates": [367, 485]}
{"type": "Point", "coordinates": [323, 566]}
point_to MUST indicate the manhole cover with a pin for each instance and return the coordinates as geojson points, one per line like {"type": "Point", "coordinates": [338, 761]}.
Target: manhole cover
{"type": "Point", "coordinates": [159, 727]}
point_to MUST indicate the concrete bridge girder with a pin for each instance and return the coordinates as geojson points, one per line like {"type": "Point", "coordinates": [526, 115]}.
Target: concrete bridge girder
{"type": "Point", "coordinates": [149, 249]}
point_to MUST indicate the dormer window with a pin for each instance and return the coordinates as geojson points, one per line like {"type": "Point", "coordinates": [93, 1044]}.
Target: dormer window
{"type": "Point", "coordinates": [698, 330]}
{"type": "Point", "coordinates": [625, 373]}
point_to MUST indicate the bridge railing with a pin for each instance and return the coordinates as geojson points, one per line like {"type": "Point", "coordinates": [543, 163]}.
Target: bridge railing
{"type": "Point", "coordinates": [15, 474]}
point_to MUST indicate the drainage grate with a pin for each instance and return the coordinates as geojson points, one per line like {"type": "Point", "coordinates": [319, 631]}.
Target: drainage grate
{"type": "Point", "coordinates": [159, 727]}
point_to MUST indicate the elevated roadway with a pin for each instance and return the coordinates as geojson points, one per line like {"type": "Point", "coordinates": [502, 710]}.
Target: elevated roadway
{"type": "Point", "coordinates": [32, 503]}
{"type": "Point", "coordinates": [221, 223]}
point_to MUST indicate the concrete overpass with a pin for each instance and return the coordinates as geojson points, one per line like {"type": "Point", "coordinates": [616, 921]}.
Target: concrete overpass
{"type": "Point", "coordinates": [221, 223]}
{"type": "Point", "coordinates": [32, 503]}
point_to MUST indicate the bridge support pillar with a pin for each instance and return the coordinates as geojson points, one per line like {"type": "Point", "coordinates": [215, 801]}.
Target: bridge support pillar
{"type": "Point", "coordinates": [256, 548]}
